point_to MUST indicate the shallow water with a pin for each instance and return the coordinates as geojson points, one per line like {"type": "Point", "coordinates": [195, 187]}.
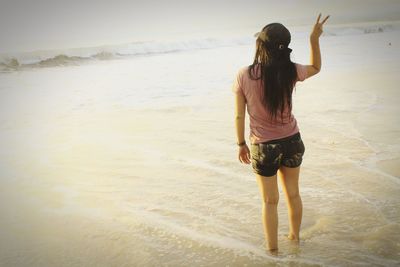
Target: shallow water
{"type": "Point", "coordinates": [133, 162]}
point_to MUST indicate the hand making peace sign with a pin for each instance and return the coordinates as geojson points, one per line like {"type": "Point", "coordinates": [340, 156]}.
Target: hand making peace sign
{"type": "Point", "coordinates": [317, 30]}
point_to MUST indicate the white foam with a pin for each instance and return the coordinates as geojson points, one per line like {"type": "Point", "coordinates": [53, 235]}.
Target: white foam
{"type": "Point", "coordinates": [48, 58]}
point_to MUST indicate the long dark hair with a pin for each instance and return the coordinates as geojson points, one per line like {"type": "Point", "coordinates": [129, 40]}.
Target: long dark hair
{"type": "Point", "coordinates": [278, 72]}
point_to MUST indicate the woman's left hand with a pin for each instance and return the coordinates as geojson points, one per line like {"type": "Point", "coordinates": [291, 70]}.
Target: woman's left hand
{"type": "Point", "coordinates": [317, 29]}
{"type": "Point", "coordinates": [244, 154]}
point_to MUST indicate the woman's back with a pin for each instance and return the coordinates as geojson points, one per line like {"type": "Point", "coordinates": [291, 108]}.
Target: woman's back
{"type": "Point", "coordinates": [263, 127]}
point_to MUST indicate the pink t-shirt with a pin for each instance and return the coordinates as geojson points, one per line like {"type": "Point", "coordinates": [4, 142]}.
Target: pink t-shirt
{"type": "Point", "coordinates": [262, 127]}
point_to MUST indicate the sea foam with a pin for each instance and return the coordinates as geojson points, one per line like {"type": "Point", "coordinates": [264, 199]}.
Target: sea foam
{"type": "Point", "coordinates": [77, 56]}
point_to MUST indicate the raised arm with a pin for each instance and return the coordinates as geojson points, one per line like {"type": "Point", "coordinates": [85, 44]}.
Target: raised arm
{"type": "Point", "coordinates": [315, 59]}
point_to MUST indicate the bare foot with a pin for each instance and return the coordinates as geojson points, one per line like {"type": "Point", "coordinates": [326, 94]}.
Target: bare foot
{"type": "Point", "coordinates": [292, 237]}
{"type": "Point", "coordinates": [273, 251]}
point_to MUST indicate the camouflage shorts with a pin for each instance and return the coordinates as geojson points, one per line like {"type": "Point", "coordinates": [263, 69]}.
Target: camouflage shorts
{"type": "Point", "coordinates": [267, 157]}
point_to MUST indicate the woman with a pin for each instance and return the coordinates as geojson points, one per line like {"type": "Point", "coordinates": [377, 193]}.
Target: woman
{"type": "Point", "coordinates": [265, 88]}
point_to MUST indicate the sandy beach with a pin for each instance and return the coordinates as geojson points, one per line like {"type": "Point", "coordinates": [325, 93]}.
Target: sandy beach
{"type": "Point", "coordinates": [111, 163]}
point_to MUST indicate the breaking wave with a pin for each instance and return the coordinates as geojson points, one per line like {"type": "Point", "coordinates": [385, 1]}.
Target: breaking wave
{"type": "Point", "coordinates": [77, 56]}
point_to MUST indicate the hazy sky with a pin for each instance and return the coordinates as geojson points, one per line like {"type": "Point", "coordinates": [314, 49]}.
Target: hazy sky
{"type": "Point", "coordinates": [27, 25]}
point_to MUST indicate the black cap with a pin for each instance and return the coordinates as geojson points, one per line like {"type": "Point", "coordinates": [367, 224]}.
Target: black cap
{"type": "Point", "coordinates": [276, 34]}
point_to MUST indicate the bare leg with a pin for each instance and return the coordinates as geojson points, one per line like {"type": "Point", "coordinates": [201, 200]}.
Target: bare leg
{"type": "Point", "coordinates": [290, 181]}
{"type": "Point", "coordinates": [269, 192]}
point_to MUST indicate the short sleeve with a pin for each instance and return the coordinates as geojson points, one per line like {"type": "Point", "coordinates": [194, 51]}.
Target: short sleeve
{"type": "Point", "coordinates": [301, 72]}
{"type": "Point", "coordinates": [237, 86]}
